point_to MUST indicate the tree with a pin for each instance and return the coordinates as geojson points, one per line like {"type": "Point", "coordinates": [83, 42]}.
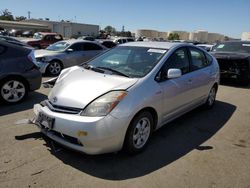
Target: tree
{"type": "Point", "coordinates": [20, 18]}
{"type": "Point", "coordinates": [226, 38]}
{"type": "Point", "coordinates": [110, 30]}
{"type": "Point", "coordinates": [173, 36]}
{"type": "Point", "coordinates": [6, 15]}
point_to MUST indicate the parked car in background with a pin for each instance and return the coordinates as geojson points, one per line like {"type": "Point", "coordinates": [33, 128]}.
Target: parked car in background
{"type": "Point", "coordinates": [18, 72]}
{"type": "Point", "coordinates": [122, 40]}
{"type": "Point", "coordinates": [65, 54]}
{"type": "Point", "coordinates": [15, 33]}
{"type": "Point", "coordinates": [43, 40]}
{"type": "Point", "coordinates": [14, 41]}
{"type": "Point", "coordinates": [87, 38]}
{"type": "Point", "coordinates": [234, 60]}
{"type": "Point", "coordinates": [207, 47]}
{"type": "Point", "coordinates": [119, 98]}
{"type": "Point", "coordinates": [3, 32]}
{"type": "Point", "coordinates": [107, 43]}
{"type": "Point", "coordinates": [27, 34]}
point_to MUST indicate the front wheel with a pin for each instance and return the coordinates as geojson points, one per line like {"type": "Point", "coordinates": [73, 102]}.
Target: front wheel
{"type": "Point", "coordinates": [139, 132]}
{"type": "Point", "coordinates": [54, 68]}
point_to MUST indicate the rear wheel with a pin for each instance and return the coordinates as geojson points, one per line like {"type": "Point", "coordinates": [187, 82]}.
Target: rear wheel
{"type": "Point", "coordinates": [139, 132]}
{"type": "Point", "coordinates": [13, 90]}
{"type": "Point", "coordinates": [54, 68]}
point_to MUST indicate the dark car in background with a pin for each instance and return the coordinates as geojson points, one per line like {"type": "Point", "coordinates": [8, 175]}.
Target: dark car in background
{"type": "Point", "coordinates": [107, 43]}
{"type": "Point", "coordinates": [27, 34]}
{"type": "Point", "coordinates": [234, 60]}
{"type": "Point", "coordinates": [18, 72]}
{"type": "Point", "coordinates": [42, 40]}
{"type": "Point", "coordinates": [15, 33]}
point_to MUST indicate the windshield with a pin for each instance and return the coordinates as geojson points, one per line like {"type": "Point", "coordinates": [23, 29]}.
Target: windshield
{"type": "Point", "coordinates": [37, 36]}
{"type": "Point", "coordinates": [129, 61]}
{"type": "Point", "coordinates": [58, 46]}
{"type": "Point", "coordinates": [240, 47]}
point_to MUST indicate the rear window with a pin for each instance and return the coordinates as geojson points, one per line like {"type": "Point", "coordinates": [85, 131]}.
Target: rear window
{"type": "Point", "coordinates": [240, 47]}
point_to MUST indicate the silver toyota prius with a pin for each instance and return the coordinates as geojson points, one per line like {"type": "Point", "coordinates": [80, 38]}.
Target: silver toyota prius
{"type": "Point", "coordinates": [119, 98]}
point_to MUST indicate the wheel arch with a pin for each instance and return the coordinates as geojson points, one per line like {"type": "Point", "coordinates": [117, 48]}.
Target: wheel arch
{"type": "Point", "coordinates": [13, 76]}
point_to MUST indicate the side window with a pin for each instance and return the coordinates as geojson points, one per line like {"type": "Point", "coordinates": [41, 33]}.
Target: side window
{"type": "Point", "coordinates": [198, 59]}
{"type": "Point", "coordinates": [77, 47]}
{"type": "Point", "coordinates": [178, 60]}
{"type": "Point", "coordinates": [91, 46]}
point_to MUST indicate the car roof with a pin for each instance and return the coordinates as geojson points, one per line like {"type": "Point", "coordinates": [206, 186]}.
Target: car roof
{"type": "Point", "coordinates": [163, 45]}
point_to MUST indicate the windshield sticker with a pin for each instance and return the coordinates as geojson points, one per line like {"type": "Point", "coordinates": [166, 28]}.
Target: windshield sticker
{"type": "Point", "coordinates": [245, 44]}
{"type": "Point", "coordinates": [221, 46]}
{"type": "Point", "coordinates": [157, 51]}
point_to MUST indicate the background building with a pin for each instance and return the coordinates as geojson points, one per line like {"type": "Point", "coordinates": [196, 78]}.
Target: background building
{"type": "Point", "coordinates": [146, 33]}
{"type": "Point", "coordinates": [183, 35]}
{"type": "Point", "coordinates": [68, 29]}
{"type": "Point", "coordinates": [245, 36]}
{"type": "Point", "coordinates": [198, 35]}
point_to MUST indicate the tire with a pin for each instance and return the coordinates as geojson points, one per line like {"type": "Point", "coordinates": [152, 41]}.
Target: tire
{"type": "Point", "coordinates": [211, 98]}
{"type": "Point", "coordinates": [243, 80]}
{"type": "Point", "coordinates": [54, 68]}
{"type": "Point", "coordinates": [13, 90]}
{"type": "Point", "coordinates": [139, 132]}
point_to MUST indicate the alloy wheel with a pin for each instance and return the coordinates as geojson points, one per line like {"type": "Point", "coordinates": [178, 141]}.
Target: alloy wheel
{"type": "Point", "coordinates": [141, 132]}
{"type": "Point", "coordinates": [54, 68]}
{"type": "Point", "coordinates": [13, 91]}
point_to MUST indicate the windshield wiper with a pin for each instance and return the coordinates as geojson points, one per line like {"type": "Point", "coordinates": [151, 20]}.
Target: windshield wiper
{"type": "Point", "coordinates": [112, 70]}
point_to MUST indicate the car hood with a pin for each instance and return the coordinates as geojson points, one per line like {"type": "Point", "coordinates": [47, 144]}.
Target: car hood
{"type": "Point", "coordinates": [42, 53]}
{"type": "Point", "coordinates": [230, 55]}
{"type": "Point", "coordinates": [77, 87]}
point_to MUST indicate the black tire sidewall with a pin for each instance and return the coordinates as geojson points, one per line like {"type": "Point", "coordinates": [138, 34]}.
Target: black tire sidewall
{"type": "Point", "coordinates": [128, 144]}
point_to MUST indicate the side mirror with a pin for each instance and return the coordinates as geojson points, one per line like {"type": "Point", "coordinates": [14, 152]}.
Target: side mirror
{"type": "Point", "coordinates": [174, 73]}
{"type": "Point", "coordinates": [69, 50]}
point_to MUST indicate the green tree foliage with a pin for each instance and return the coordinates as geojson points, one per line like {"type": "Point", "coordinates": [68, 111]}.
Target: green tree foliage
{"type": "Point", "coordinates": [6, 15]}
{"type": "Point", "coordinates": [173, 36]}
{"type": "Point", "coordinates": [110, 30]}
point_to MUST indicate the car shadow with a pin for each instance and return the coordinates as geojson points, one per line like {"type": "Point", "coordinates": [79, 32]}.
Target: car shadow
{"type": "Point", "coordinates": [28, 103]}
{"type": "Point", "coordinates": [167, 145]}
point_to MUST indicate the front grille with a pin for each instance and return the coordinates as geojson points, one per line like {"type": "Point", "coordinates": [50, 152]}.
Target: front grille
{"type": "Point", "coordinates": [61, 109]}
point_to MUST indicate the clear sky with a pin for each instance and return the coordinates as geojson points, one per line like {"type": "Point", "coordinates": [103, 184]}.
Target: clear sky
{"type": "Point", "coordinates": [229, 17]}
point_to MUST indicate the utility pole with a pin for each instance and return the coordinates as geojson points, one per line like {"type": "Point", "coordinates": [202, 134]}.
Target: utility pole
{"type": "Point", "coordinates": [29, 14]}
